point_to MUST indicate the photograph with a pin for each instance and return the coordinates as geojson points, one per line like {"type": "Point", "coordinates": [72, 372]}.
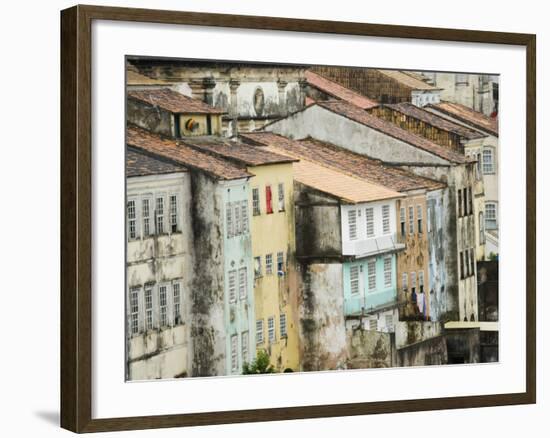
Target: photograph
{"type": "Point", "coordinates": [285, 218]}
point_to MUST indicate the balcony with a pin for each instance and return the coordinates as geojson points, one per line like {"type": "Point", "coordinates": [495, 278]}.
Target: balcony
{"type": "Point", "coordinates": [373, 246]}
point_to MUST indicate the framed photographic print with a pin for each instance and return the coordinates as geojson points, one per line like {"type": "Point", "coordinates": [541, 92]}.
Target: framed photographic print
{"type": "Point", "coordinates": [267, 219]}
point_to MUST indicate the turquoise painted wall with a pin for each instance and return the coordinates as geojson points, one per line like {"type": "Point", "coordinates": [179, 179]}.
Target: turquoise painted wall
{"type": "Point", "coordinates": [239, 316]}
{"type": "Point", "coordinates": [380, 296]}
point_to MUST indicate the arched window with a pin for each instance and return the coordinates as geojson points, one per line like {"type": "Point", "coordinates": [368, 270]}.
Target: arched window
{"type": "Point", "coordinates": [491, 219]}
{"type": "Point", "coordinates": [488, 161]}
{"type": "Point", "coordinates": [481, 228]}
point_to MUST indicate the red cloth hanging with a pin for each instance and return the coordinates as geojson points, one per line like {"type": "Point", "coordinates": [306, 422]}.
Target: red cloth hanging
{"type": "Point", "coordinates": [268, 201]}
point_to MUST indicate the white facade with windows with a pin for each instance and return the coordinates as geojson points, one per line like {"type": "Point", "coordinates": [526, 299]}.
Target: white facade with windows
{"type": "Point", "coordinates": [369, 228]}
{"type": "Point", "coordinates": [159, 274]}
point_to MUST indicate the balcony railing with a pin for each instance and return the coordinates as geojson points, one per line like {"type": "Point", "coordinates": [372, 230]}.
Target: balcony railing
{"type": "Point", "coordinates": [373, 246]}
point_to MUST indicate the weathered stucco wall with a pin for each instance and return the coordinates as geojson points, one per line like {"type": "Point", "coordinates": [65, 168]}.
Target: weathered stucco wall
{"type": "Point", "coordinates": [325, 125]}
{"type": "Point", "coordinates": [369, 349]}
{"type": "Point", "coordinates": [150, 118]}
{"type": "Point", "coordinates": [322, 326]}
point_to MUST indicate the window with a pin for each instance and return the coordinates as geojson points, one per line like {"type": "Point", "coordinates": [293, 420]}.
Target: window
{"type": "Point", "coordinates": [232, 286]}
{"type": "Point", "coordinates": [470, 201]}
{"type": "Point", "coordinates": [465, 199]}
{"type": "Point", "coordinates": [404, 281]}
{"type": "Point", "coordinates": [467, 264]}
{"type": "Point", "coordinates": [281, 192]}
{"type": "Point", "coordinates": [257, 267]}
{"type": "Point", "coordinates": [282, 325]}
{"type": "Point", "coordinates": [271, 329]}
{"type": "Point", "coordinates": [421, 281]}
{"type": "Point", "coordinates": [134, 310]}
{"type": "Point", "coordinates": [242, 283]}
{"type": "Point", "coordinates": [488, 161]}
{"type": "Point", "coordinates": [387, 271]}
{"type": "Point", "coordinates": [411, 220]}
{"type": "Point", "coordinates": [268, 200]}
{"type": "Point", "coordinates": [481, 228]}
{"type": "Point", "coordinates": [460, 203]}
{"type": "Point", "coordinates": [148, 307]}
{"type": "Point", "coordinates": [402, 217]}
{"type": "Point", "coordinates": [163, 306]}
{"type": "Point", "coordinates": [269, 264]}
{"type": "Point", "coordinates": [160, 215]}
{"type": "Point", "coordinates": [244, 216]}
{"type": "Point", "coordinates": [176, 295]}
{"type": "Point", "coordinates": [413, 281]}
{"type": "Point", "coordinates": [369, 214]}
{"type": "Point", "coordinates": [244, 347]}
{"type": "Point", "coordinates": [490, 215]}
{"type": "Point", "coordinates": [386, 219]}
{"type": "Point", "coordinates": [131, 206]}
{"type": "Point", "coordinates": [461, 266]}
{"type": "Point", "coordinates": [234, 358]}
{"type": "Point", "coordinates": [373, 324]}
{"type": "Point", "coordinates": [354, 279]}
{"type": "Point", "coordinates": [260, 331]}
{"type": "Point", "coordinates": [280, 263]}
{"type": "Point", "coordinates": [173, 213]}
{"type": "Point", "coordinates": [371, 274]}
{"type": "Point", "coordinates": [419, 218]}
{"type": "Point", "coordinates": [146, 217]}
{"type": "Point", "coordinates": [352, 224]}
{"type": "Point", "coordinates": [429, 219]}
{"type": "Point", "coordinates": [256, 202]}
{"type": "Point", "coordinates": [472, 262]}
{"type": "Point", "coordinates": [229, 219]}
{"type": "Point", "coordinates": [238, 223]}
{"type": "Point", "coordinates": [389, 323]}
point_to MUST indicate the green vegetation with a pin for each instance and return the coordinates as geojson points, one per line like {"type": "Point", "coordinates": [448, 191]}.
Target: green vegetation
{"type": "Point", "coordinates": [260, 365]}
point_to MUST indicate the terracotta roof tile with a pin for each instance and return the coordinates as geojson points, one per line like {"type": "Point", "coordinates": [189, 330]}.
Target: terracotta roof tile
{"type": "Point", "coordinates": [187, 156]}
{"type": "Point", "coordinates": [469, 116]}
{"type": "Point", "coordinates": [345, 161]}
{"type": "Point", "coordinates": [139, 163]}
{"type": "Point", "coordinates": [236, 151]}
{"type": "Point", "coordinates": [338, 91]}
{"type": "Point", "coordinates": [434, 120]}
{"type": "Point", "coordinates": [172, 101]}
{"type": "Point", "coordinates": [408, 80]}
{"type": "Point", "coordinates": [360, 116]}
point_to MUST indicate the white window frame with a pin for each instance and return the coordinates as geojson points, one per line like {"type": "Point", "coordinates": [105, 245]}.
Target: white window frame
{"type": "Point", "coordinates": [403, 221]}
{"type": "Point", "coordinates": [229, 221]}
{"type": "Point", "coordinates": [134, 293]}
{"type": "Point", "coordinates": [373, 324]}
{"type": "Point", "coordinates": [238, 230]}
{"type": "Point", "coordinates": [160, 223]}
{"type": "Point", "coordinates": [132, 218]}
{"type": "Point", "coordinates": [419, 219]}
{"type": "Point", "coordinates": [413, 281]}
{"type": "Point", "coordinates": [243, 282]}
{"type": "Point", "coordinates": [232, 285]}
{"type": "Point", "coordinates": [166, 306]}
{"type": "Point", "coordinates": [244, 217]}
{"type": "Point", "coordinates": [411, 219]}
{"type": "Point", "coordinates": [177, 286]}
{"type": "Point", "coordinates": [280, 263]}
{"type": "Point", "coordinates": [259, 331]}
{"type": "Point", "coordinates": [147, 227]}
{"type": "Point", "coordinates": [269, 264]}
{"type": "Point", "coordinates": [173, 212]}
{"type": "Point", "coordinates": [352, 224]}
{"type": "Point", "coordinates": [388, 273]}
{"type": "Point", "coordinates": [491, 215]}
{"type": "Point", "coordinates": [256, 205]}
{"type": "Point", "coordinates": [281, 197]}
{"type": "Point", "coordinates": [234, 353]}
{"type": "Point", "coordinates": [149, 312]}
{"type": "Point", "coordinates": [371, 275]}
{"type": "Point", "coordinates": [282, 325]}
{"type": "Point", "coordinates": [245, 341]}
{"type": "Point", "coordinates": [488, 165]}
{"type": "Point", "coordinates": [420, 281]}
{"type": "Point", "coordinates": [354, 283]}
{"type": "Point", "coordinates": [369, 218]}
{"type": "Point", "coordinates": [271, 335]}
{"type": "Point", "coordinates": [386, 227]}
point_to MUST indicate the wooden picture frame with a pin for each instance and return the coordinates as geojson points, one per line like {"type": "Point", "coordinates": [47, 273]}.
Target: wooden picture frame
{"type": "Point", "coordinates": [76, 218]}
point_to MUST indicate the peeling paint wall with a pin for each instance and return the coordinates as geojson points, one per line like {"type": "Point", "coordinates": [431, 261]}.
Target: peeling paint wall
{"type": "Point", "coordinates": [369, 349]}
{"type": "Point", "coordinates": [153, 119]}
{"type": "Point", "coordinates": [160, 260]}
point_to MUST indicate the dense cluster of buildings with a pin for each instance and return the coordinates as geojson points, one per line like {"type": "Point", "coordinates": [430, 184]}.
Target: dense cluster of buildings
{"type": "Point", "coordinates": [329, 217]}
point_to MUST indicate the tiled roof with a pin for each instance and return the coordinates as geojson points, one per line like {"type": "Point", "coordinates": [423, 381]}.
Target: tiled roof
{"type": "Point", "coordinates": [172, 101]}
{"type": "Point", "coordinates": [468, 116]}
{"type": "Point", "coordinates": [187, 156]}
{"type": "Point", "coordinates": [408, 80]}
{"type": "Point", "coordinates": [135, 78]}
{"type": "Point", "coordinates": [141, 164]}
{"type": "Point", "coordinates": [236, 151]}
{"type": "Point", "coordinates": [434, 120]}
{"type": "Point", "coordinates": [338, 91]}
{"type": "Point", "coordinates": [345, 161]}
{"type": "Point", "coordinates": [360, 116]}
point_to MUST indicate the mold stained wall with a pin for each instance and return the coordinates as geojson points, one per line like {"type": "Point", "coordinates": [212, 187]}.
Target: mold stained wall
{"type": "Point", "coordinates": [239, 315]}
{"type": "Point", "coordinates": [275, 292]}
{"type": "Point", "coordinates": [416, 255]}
{"type": "Point", "coordinates": [155, 120]}
{"type": "Point", "coordinates": [160, 259]}
{"type": "Point", "coordinates": [321, 299]}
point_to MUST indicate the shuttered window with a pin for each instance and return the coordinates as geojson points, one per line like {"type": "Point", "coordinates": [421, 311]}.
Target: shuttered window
{"type": "Point", "coordinates": [369, 215]}
{"type": "Point", "coordinates": [386, 219]}
{"type": "Point", "coordinates": [371, 274]}
{"type": "Point", "coordinates": [352, 224]}
{"type": "Point", "coordinates": [387, 271]}
{"type": "Point", "coordinates": [354, 280]}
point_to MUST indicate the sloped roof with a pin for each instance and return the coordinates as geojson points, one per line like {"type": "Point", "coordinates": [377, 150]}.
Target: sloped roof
{"type": "Point", "coordinates": [181, 154]}
{"type": "Point", "coordinates": [139, 163]}
{"type": "Point", "coordinates": [237, 151]}
{"type": "Point", "coordinates": [172, 101]}
{"type": "Point", "coordinates": [361, 116]}
{"type": "Point", "coordinates": [434, 120]}
{"type": "Point", "coordinates": [408, 80]}
{"type": "Point", "coordinates": [338, 91]}
{"type": "Point", "coordinates": [343, 160]}
{"type": "Point", "coordinates": [468, 116]}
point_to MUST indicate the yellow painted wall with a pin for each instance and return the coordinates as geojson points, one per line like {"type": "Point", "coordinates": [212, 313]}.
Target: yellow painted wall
{"type": "Point", "coordinates": [201, 119]}
{"type": "Point", "coordinates": [274, 294]}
